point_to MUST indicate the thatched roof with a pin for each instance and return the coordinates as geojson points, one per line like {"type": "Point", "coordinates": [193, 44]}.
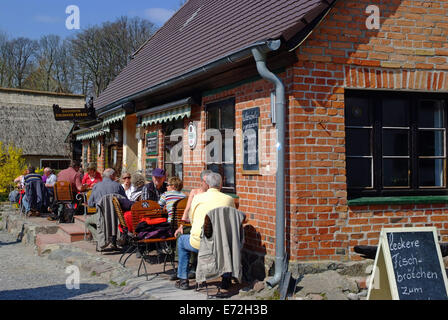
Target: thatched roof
{"type": "Point", "coordinates": [27, 120]}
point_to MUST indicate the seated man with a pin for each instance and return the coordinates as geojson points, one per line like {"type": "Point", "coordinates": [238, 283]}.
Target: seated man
{"type": "Point", "coordinates": [154, 189]}
{"type": "Point", "coordinates": [35, 194]}
{"type": "Point", "coordinates": [200, 206]}
{"type": "Point", "coordinates": [49, 183]}
{"type": "Point", "coordinates": [107, 186]}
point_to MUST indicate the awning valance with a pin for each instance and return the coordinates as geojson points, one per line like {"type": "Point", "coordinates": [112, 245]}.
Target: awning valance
{"type": "Point", "coordinates": [92, 133]}
{"type": "Point", "coordinates": [114, 117]}
{"type": "Point", "coordinates": [166, 115]}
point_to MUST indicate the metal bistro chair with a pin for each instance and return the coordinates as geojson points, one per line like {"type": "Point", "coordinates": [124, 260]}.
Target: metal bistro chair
{"type": "Point", "coordinates": [127, 235]}
{"type": "Point", "coordinates": [151, 209]}
{"type": "Point", "coordinates": [63, 194]}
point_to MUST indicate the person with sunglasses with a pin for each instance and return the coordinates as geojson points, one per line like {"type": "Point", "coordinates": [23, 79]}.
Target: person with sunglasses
{"type": "Point", "coordinates": [126, 184]}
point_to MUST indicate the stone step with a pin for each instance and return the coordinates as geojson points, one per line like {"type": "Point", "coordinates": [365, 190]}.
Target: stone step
{"type": "Point", "coordinates": [72, 232]}
{"type": "Point", "coordinates": [80, 220]}
{"type": "Point", "coordinates": [42, 240]}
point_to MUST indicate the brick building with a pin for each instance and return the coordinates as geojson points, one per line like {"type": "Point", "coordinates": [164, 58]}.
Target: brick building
{"type": "Point", "coordinates": [365, 116]}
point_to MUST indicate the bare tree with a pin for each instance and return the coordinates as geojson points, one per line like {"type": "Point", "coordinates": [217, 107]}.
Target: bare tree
{"type": "Point", "coordinates": [103, 51]}
{"type": "Point", "coordinates": [5, 61]}
{"type": "Point", "coordinates": [65, 69]}
{"type": "Point", "coordinates": [21, 52]}
{"type": "Point", "coordinates": [85, 63]}
{"type": "Point", "coordinates": [47, 51]}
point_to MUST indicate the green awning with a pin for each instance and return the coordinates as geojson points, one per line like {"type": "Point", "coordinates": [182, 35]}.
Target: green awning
{"type": "Point", "coordinates": [114, 117]}
{"type": "Point", "coordinates": [167, 115]}
{"type": "Point", "coordinates": [92, 133]}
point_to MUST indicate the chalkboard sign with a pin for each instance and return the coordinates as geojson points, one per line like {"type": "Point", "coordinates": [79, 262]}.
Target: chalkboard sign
{"type": "Point", "coordinates": [411, 261]}
{"type": "Point", "coordinates": [152, 143]}
{"type": "Point", "coordinates": [250, 130]}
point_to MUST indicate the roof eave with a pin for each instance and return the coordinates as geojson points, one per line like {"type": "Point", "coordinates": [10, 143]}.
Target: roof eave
{"type": "Point", "coordinates": [234, 57]}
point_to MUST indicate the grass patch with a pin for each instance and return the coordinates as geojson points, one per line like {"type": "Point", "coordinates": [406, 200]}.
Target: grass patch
{"type": "Point", "coordinates": [93, 273]}
{"type": "Point", "coordinates": [123, 284]}
{"type": "Point", "coordinates": [275, 296]}
{"type": "Point", "coordinates": [113, 283]}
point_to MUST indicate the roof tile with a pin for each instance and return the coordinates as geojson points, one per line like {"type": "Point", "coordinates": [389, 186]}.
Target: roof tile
{"type": "Point", "coordinates": [201, 32]}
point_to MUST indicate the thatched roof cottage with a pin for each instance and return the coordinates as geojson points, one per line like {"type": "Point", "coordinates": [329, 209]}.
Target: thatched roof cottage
{"type": "Point", "coordinates": [27, 120]}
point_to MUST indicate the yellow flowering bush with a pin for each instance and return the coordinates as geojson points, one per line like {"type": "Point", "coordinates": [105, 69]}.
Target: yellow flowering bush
{"type": "Point", "coordinates": [12, 165]}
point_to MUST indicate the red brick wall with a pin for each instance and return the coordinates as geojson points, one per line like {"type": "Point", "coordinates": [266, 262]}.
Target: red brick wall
{"type": "Point", "coordinates": [192, 158]}
{"type": "Point", "coordinates": [256, 192]}
{"type": "Point", "coordinates": [408, 52]}
{"type": "Point", "coordinates": [365, 222]}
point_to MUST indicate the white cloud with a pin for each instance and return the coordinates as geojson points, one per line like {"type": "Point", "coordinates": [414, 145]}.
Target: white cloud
{"type": "Point", "coordinates": [158, 15]}
{"type": "Point", "coordinates": [47, 19]}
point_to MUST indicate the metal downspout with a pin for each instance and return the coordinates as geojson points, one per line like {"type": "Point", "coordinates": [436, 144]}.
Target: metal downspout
{"type": "Point", "coordinates": [259, 54]}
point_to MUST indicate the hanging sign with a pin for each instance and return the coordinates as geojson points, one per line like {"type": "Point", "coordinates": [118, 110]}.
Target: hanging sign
{"type": "Point", "coordinates": [408, 266]}
{"type": "Point", "coordinates": [73, 114]}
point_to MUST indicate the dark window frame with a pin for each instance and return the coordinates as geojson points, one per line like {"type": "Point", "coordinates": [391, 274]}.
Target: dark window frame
{"type": "Point", "coordinates": [221, 105]}
{"type": "Point", "coordinates": [375, 103]}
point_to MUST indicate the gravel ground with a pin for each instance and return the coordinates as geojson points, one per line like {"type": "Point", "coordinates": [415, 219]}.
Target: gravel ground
{"type": "Point", "coordinates": [26, 276]}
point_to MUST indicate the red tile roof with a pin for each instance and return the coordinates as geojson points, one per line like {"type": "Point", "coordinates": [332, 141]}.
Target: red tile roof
{"type": "Point", "coordinates": [204, 31]}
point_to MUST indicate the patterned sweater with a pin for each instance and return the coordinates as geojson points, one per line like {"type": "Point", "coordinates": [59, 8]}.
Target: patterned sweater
{"type": "Point", "coordinates": [168, 199]}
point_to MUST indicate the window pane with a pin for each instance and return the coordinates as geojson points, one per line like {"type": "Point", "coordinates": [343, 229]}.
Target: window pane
{"type": "Point", "coordinates": [395, 142]}
{"type": "Point", "coordinates": [395, 113]}
{"type": "Point", "coordinates": [357, 112]}
{"type": "Point", "coordinates": [173, 149]}
{"type": "Point", "coordinates": [213, 118]}
{"type": "Point", "coordinates": [430, 114]}
{"type": "Point", "coordinates": [229, 175]}
{"type": "Point", "coordinates": [358, 142]}
{"type": "Point", "coordinates": [173, 170]}
{"type": "Point", "coordinates": [179, 170]}
{"type": "Point", "coordinates": [169, 127]}
{"type": "Point", "coordinates": [228, 117]}
{"type": "Point", "coordinates": [359, 172]}
{"type": "Point", "coordinates": [227, 146]}
{"type": "Point", "coordinates": [169, 170]}
{"type": "Point", "coordinates": [430, 143]}
{"type": "Point", "coordinates": [396, 172]}
{"type": "Point", "coordinates": [431, 172]}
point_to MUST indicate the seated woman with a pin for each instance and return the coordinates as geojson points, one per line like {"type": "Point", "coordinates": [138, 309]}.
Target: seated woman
{"type": "Point", "coordinates": [127, 184]}
{"type": "Point", "coordinates": [138, 181]}
{"type": "Point", "coordinates": [91, 178]}
{"type": "Point", "coordinates": [173, 194]}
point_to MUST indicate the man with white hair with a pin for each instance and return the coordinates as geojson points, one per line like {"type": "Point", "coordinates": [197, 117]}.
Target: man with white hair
{"type": "Point", "coordinates": [51, 177]}
{"type": "Point", "coordinates": [107, 186]}
{"type": "Point", "coordinates": [200, 206]}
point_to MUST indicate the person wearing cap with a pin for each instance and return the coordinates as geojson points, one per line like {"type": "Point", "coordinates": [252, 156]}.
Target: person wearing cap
{"type": "Point", "coordinates": [157, 187]}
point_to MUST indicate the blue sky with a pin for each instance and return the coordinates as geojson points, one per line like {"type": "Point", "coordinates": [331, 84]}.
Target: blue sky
{"type": "Point", "coordinates": [35, 18]}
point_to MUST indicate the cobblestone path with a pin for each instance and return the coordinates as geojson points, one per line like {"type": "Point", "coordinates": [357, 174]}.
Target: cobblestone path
{"type": "Point", "coordinates": [26, 276]}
